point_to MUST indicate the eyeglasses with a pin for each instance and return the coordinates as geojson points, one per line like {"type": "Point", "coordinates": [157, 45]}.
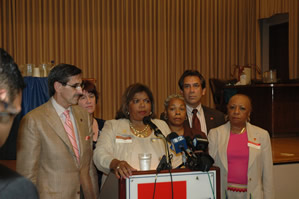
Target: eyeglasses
{"type": "Point", "coordinates": [7, 113]}
{"type": "Point", "coordinates": [75, 86]}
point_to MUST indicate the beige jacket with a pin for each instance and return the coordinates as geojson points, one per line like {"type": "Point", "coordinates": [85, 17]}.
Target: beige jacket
{"type": "Point", "coordinates": [260, 165]}
{"type": "Point", "coordinates": [108, 147]}
{"type": "Point", "coordinates": [46, 157]}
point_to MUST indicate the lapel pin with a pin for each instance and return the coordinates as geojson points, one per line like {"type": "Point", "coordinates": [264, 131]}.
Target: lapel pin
{"type": "Point", "coordinates": [211, 118]}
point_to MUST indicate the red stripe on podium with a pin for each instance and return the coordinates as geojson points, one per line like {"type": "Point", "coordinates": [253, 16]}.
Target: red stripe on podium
{"type": "Point", "coordinates": [163, 190]}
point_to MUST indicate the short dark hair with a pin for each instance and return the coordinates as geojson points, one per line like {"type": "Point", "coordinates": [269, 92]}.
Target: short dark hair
{"type": "Point", "coordinates": [61, 73]}
{"type": "Point", "coordinates": [128, 96]}
{"type": "Point", "coordinates": [192, 73]}
{"type": "Point", "coordinates": [11, 78]}
{"type": "Point", "coordinates": [90, 88]}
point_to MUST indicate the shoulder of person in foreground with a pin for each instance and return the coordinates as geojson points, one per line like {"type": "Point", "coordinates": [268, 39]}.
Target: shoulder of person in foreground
{"type": "Point", "coordinates": [215, 136]}
{"type": "Point", "coordinates": [162, 126]}
{"type": "Point", "coordinates": [222, 128]}
{"type": "Point", "coordinates": [13, 185]}
{"type": "Point", "coordinates": [261, 133]}
{"type": "Point", "coordinates": [257, 129]}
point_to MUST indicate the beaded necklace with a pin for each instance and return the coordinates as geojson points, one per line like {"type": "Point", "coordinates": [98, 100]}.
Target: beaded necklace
{"type": "Point", "coordinates": [142, 133]}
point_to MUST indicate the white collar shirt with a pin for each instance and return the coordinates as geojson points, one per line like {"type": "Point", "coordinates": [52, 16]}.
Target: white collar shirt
{"type": "Point", "coordinates": [59, 109]}
{"type": "Point", "coordinates": [200, 115]}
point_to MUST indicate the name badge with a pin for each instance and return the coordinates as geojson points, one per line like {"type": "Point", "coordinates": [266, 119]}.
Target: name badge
{"type": "Point", "coordinates": [123, 139]}
{"type": "Point", "coordinates": [155, 139]}
{"type": "Point", "coordinates": [254, 145]}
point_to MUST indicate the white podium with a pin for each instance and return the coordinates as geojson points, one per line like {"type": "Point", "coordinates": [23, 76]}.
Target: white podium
{"type": "Point", "coordinates": [183, 184]}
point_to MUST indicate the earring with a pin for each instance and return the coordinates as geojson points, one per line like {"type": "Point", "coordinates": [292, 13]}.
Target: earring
{"type": "Point", "coordinates": [151, 113]}
{"type": "Point", "coordinates": [128, 113]}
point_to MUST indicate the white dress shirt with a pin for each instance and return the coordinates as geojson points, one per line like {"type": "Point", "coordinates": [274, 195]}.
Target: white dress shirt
{"type": "Point", "coordinates": [59, 109]}
{"type": "Point", "coordinates": [200, 115]}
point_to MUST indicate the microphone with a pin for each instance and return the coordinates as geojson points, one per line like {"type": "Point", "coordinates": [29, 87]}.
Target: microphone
{"type": "Point", "coordinates": [200, 143]}
{"type": "Point", "coordinates": [190, 143]}
{"type": "Point", "coordinates": [204, 161]}
{"type": "Point", "coordinates": [148, 120]}
{"type": "Point", "coordinates": [178, 143]}
{"type": "Point", "coordinates": [171, 136]}
{"type": "Point", "coordinates": [165, 162]}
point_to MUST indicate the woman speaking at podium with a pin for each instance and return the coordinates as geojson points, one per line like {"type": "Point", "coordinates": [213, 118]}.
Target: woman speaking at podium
{"type": "Point", "coordinates": [122, 139]}
{"type": "Point", "coordinates": [243, 153]}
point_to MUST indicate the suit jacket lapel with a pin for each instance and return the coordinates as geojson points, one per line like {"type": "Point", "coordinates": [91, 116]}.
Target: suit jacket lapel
{"type": "Point", "coordinates": [78, 120]}
{"type": "Point", "coordinates": [251, 138]}
{"type": "Point", "coordinates": [207, 118]}
{"type": "Point", "coordinates": [81, 129]}
{"type": "Point", "coordinates": [223, 140]}
{"type": "Point", "coordinates": [55, 123]}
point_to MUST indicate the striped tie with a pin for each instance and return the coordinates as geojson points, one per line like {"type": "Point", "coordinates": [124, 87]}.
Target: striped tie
{"type": "Point", "coordinates": [69, 128]}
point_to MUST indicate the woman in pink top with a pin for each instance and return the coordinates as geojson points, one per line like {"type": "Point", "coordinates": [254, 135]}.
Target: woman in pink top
{"type": "Point", "coordinates": [243, 153]}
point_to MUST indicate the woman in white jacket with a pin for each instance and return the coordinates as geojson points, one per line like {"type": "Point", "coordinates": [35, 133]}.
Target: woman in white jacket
{"type": "Point", "coordinates": [243, 153]}
{"type": "Point", "coordinates": [122, 139]}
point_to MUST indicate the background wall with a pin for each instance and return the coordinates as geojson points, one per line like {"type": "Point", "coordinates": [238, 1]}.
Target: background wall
{"type": "Point", "coordinates": [120, 42]}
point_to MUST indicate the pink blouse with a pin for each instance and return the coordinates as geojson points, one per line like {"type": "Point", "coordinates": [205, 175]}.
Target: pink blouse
{"type": "Point", "coordinates": [237, 158]}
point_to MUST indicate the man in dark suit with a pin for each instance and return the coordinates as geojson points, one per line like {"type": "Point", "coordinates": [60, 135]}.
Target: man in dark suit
{"type": "Point", "coordinates": [193, 88]}
{"type": "Point", "coordinates": [54, 145]}
{"type": "Point", "coordinates": [12, 185]}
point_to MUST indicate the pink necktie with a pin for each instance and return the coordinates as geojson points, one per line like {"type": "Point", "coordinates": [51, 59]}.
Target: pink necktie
{"type": "Point", "coordinates": [69, 128]}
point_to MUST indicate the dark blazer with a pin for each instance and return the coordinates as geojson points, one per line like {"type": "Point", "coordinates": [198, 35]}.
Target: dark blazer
{"type": "Point", "coordinates": [213, 117]}
{"type": "Point", "coordinates": [13, 185]}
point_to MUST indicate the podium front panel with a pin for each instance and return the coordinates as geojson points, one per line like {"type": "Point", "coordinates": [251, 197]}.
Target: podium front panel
{"type": "Point", "coordinates": [186, 185]}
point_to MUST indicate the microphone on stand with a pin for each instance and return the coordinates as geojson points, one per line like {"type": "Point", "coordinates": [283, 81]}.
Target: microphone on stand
{"type": "Point", "coordinates": [165, 162]}
{"type": "Point", "coordinates": [148, 120]}
{"type": "Point", "coordinates": [190, 143]}
{"type": "Point", "coordinates": [200, 143]}
{"type": "Point", "coordinates": [178, 143]}
{"type": "Point", "coordinates": [196, 159]}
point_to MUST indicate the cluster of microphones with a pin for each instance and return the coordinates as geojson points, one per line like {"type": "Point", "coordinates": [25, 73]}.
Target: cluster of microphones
{"type": "Point", "coordinates": [194, 150]}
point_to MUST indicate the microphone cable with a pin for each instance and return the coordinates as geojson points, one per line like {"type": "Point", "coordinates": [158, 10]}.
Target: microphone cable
{"type": "Point", "coordinates": [209, 177]}
{"type": "Point", "coordinates": [171, 183]}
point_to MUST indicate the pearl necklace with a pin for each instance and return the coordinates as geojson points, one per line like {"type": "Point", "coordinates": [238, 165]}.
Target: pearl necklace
{"type": "Point", "coordinates": [138, 133]}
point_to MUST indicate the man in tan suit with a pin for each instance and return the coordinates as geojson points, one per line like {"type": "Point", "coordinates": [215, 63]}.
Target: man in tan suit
{"type": "Point", "coordinates": [57, 161]}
